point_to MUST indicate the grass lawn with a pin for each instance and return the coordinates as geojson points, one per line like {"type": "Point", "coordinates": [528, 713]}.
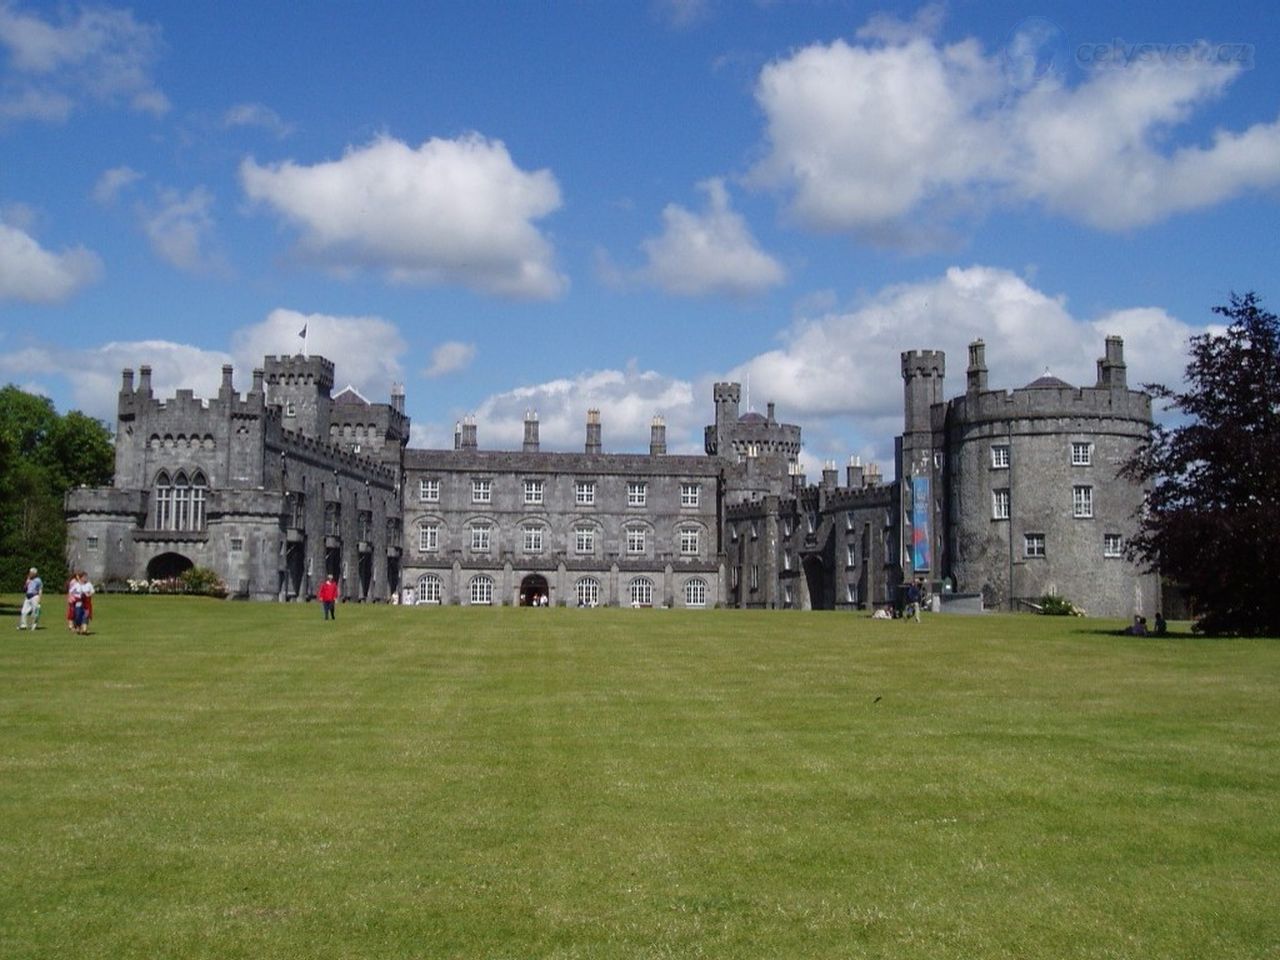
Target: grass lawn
{"type": "Point", "coordinates": [222, 780]}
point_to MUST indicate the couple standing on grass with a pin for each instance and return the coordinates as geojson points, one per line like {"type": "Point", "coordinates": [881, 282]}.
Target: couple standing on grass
{"type": "Point", "coordinates": [79, 602]}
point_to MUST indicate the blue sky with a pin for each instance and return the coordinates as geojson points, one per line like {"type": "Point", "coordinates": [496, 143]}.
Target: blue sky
{"type": "Point", "coordinates": [507, 206]}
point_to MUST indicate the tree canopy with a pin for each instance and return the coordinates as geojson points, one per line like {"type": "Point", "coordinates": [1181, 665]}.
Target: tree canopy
{"type": "Point", "coordinates": [1211, 519]}
{"type": "Point", "coordinates": [42, 456]}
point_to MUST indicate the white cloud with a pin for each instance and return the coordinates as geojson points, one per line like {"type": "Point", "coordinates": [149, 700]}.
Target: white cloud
{"type": "Point", "coordinates": [682, 14]}
{"type": "Point", "coordinates": [180, 227]}
{"type": "Point", "coordinates": [627, 400]}
{"type": "Point", "coordinates": [256, 115]}
{"type": "Point", "coordinates": [365, 351]}
{"type": "Point", "coordinates": [451, 211]}
{"type": "Point", "coordinates": [450, 357]}
{"type": "Point", "coordinates": [709, 253]}
{"type": "Point", "coordinates": [110, 184]}
{"type": "Point", "coordinates": [847, 365]}
{"type": "Point", "coordinates": [100, 54]}
{"type": "Point", "coordinates": [31, 273]}
{"type": "Point", "coordinates": [864, 136]}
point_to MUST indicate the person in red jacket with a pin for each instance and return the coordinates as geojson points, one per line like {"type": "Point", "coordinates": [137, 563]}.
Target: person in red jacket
{"type": "Point", "coordinates": [328, 594]}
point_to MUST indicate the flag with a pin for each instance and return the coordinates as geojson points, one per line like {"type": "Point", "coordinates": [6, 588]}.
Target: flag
{"type": "Point", "coordinates": [303, 332]}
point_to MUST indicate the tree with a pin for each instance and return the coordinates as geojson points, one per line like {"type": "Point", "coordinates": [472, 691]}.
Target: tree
{"type": "Point", "coordinates": [43, 455]}
{"type": "Point", "coordinates": [1211, 518]}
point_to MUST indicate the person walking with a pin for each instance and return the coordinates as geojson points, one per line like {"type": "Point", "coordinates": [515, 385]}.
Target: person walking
{"type": "Point", "coordinates": [80, 600]}
{"type": "Point", "coordinates": [913, 601]}
{"type": "Point", "coordinates": [33, 590]}
{"type": "Point", "coordinates": [328, 594]}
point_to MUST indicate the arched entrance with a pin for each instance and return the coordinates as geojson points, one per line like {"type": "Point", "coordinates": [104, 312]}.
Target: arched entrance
{"type": "Point", "coordinates": [533, 589]}
{"type": "Point", "coordinates": [168, 565]}
{"type": "Point", "coordinates": [815, 581]}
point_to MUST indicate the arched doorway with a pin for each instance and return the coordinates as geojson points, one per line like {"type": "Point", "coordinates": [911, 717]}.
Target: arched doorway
{"type": "Point", "coordinates": [167, 566]}
{"type": "Point", "coordinates": [815, 581]}
{"type": "Point", "coordinates": [533, 589]}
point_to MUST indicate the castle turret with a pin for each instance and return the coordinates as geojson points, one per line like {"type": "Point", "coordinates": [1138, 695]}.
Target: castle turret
{"type": "Point", "coordinates": [302, 389]}
{"type": "Point", "coordinates": [922, 374]}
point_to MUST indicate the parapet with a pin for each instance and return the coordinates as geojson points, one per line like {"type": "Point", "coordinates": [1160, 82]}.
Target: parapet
{"type": "Point", "coordinates": [923, 363]}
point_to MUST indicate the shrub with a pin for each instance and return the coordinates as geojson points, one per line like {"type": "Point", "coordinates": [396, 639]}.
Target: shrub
{"type": "Point", "coordinates": [1055, 606]}
{"type": "Point", "coordinates": [202, 581]}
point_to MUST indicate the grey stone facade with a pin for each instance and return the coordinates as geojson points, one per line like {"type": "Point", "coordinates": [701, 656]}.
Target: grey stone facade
{"type": "Point", "coordinates": [1006, 494]}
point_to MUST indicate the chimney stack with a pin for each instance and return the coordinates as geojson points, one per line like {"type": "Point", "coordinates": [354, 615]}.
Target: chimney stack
{"type": "Point", "coordinates": [144, 380]}
{"type": "Point", "coordinates": [976, 375]}
{"type": "Point", "coordinates": [530, 431]}
{"type": "Point", "coordinates": [469, 432]}
{"type": "Point", "coordinates": [593, 431]}
{"type": "Point", "coordinates": [830, 476]}
{"type": "Point", "coordinates": [658, 437]}
{"type": "Point", "coordinates": [853, 473]}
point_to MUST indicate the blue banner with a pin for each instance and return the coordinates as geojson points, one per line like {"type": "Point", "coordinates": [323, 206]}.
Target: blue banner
{"type": "Point", "coordinates": [920, 523]}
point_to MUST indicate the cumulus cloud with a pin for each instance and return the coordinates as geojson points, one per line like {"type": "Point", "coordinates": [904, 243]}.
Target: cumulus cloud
{"type": "Point", "coordinates": [99, 53]}
{"type": "Point", "coordinates": [627, 400]}
{"type": "Point", "coordinates": [847, 364]}
{"type": "Point", "coordinates": [256, 115]}
{"type": "Point", "coordinates": [898, 127]}
{"type": "Point", "coordinates": [450, 357]}
{"type": "Point", "coordinates": [180, 228]}
{"type": "Point", "coordinates": [365, 351]}
{"type": "Point", "coordinates": [112, 182]}
{"type": "Point", "coordinates": [31, 273]}
{"type": "Point", "coordinates": [448, 212]}
{"type": "Point", "coordinates": [712, 252]}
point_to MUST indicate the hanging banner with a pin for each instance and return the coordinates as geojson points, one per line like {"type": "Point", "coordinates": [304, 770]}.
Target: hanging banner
{"type": "Point", "coordinates": [920, 500]}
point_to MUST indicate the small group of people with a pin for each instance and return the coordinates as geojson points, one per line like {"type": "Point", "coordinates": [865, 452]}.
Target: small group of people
{"type": "Point", "coordinates": [535, 600]}
{"type": "Point", "coordinates": [1139, 627]}
{"type": "Point", "coordinates": [79, 602]}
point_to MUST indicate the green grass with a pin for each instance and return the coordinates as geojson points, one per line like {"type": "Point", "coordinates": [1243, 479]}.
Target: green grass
{"type": "Point", "coordinates": [222, 780]}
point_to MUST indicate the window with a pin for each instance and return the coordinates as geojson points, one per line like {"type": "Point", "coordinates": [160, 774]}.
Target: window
{"type": "Point", "coordinates": [786, 559]}
{"type": "Point", "coordinates": [480, 536]}
{"type": "Point", "coordinates": [290, 409]}
{"type": "Point", "coordinates": [1111, 545]}
{"type": "Point", "coordinates": [641, 592]}
{"type": "Point", "coordinates": [482, 590]}
{"type": "Point", "coordinates": [851, 592]}
{"type": "Point", "coordinates": [428, 537]}
{"type": "Point", "coordinates": [1081, 454]}
{"type": "Point", "coordinates": [429, 491]}
{"type": "Point", "coordinates": [636, 493]}
{"type": "Point", "coordinates": [237, 544]}
{"type": "Point", "coordinates": [532, 539]}
{"type": "Point", "coordinates": [1000, 456]}
{"type": "Point", "coordinates": [1000, 504]}
{"type": "Point", "coordinates": [481, 491]}
{"type": "Point", "coordinates": [733, 532]}
{"type": "Point", "coordinates": [584, 540]}
{"type": "Point", "coordinates": [755, 530]}
{"type": "Point", "coordinates": [1033, 545]}
{"type": "Point", "coordinates": [584, 493]}
{"type": "Point", "coordinates": [533, 491]}
{"type": "Point", "coordinates": [734, 574]}
{"type": "Point", "coordinates": [430, 589]}
{"type": "Point", "coordinates": [92, 543]}
{"type": "Point", "coordinates": [850, 555]}
{"type": "Point", "coordinates": [1082, 501]}
{"type": "Point", "coordinates": [787, 596]}
{"type": "Point", "coordinates": [755, 576]}
{"type": "Point", "coordinates": [695, 592]}
{"type": "Point", "coordinates": [690, 494]}
{"type": "Point", "coordinates": [635, 539]}
{"type": "Point", "coordinates": [848, 520]}
{"type": "Point", "coordinates": [180, 502]}
{"type": "Point", "coordinates": [786, 527]}
{"type": "Point", "coordinates": [689, 541]}
{"type": "Point", "coordinates": [587, 592]}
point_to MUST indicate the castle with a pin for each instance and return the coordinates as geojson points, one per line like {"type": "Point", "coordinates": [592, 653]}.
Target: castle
{"type": "Point", "coordinates": [998, 498]}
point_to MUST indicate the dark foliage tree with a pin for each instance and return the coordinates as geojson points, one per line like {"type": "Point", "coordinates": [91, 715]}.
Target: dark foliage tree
{"type": "Point", "coordinates": [1211, 521]}
{"type": "Point", "coordinates": [42, 456]}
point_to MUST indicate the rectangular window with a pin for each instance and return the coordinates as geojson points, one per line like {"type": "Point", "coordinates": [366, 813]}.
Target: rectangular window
{"type": "Point", "coordinates": [584, 493]}
{"type": "Point", "coordinates": [532, 539]}
{"type": "Point", "coordinates": [755, 530]}
{"type": "Point", "coordinates": [688, 541]}
{"type": "Point", "coordinates": [848, 520]}
{"type": "Point", "coordinates": [584, 540]}
{"type": "Point", "coordinates": [733, 532]}
{"type": "Point", "coordinates": [92, 543]}
{"type": "Point", "coordinates": [786, 528]}
{"type": "Point", "coordinates": [1111, 545]}
{"type": "Point", "coordinates": [429, 491]}
{"type": "Point", "coordinates": [1000, 504]}
{"type": "Point", "coordinates": [850, 555]}
{"type": "Point", "coordinates": [480, 537]}
{"type": "Point", "coordinates": [1000, 456]}
{"type": "Point", "coordinates": [481, 491]}
{"type": "Point", "coordinates": [1033, 545]}
{"type": "Point", "coordinates": [755, 576]}
{"type": "Point", "coordinates": [690, 494]}
{"type": "Point", "coordinates": [1082, 501]}
{"type": "Point", "coordinates": [786, 559]}
{"type": "Point", "coordinates": [1081, 454]}
{"type": "Point", "coordinates": [428, 537]}
{"type": "Point", "coordinates": [290, 409]}
{"type": "Point", "coordinates": [636, 493]}
{"type": "Point", "coordinates": [533, 491]}
{"type": "Point", "coordinates": [635, 539]}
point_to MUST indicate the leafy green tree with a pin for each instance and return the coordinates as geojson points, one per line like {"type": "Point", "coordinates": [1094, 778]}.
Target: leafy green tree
{"type": "Point", "coordinates": [1211, 520]}
{"type": "Point", "coordinates": [42, 455]}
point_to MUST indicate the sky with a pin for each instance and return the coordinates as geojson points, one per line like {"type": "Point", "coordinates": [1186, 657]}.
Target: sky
{"type": "Point", "coordinates": [511, 206]}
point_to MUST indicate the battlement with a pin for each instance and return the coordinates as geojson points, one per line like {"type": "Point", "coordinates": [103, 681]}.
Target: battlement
{"type": "Point", "coordinates": [924, 363]}
{"type": "Point", "coordinates": [301, 445]}
{"type": "Point", "coordinates": [299, 370]}
{"type": "Point", "coordinates": [1049, 402]}
{"type": "Point", "coordinates": [727, 393]}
